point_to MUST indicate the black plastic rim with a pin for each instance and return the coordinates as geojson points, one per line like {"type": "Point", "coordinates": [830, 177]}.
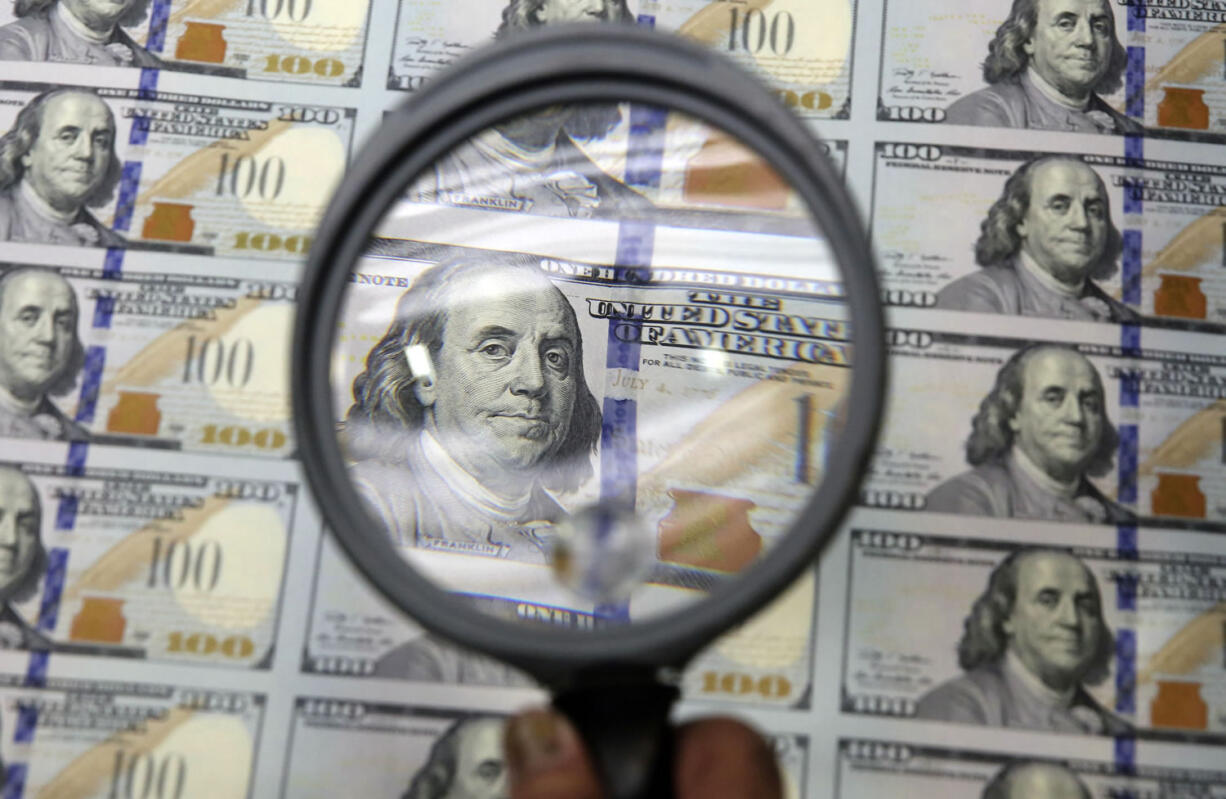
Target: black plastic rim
{"type": "Point", "coordinates": [565, 65]}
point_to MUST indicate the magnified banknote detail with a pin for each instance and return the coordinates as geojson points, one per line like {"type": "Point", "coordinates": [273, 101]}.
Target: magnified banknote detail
{"type": "Point", "coordinates": [543, 393]}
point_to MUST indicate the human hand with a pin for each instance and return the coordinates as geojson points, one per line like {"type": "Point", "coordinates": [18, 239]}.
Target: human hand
{"type": "Point", "coordinates": [717, 758]}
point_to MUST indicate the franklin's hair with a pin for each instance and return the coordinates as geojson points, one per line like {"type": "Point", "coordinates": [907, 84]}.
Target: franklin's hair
{"type": "Point", "coordinates": [15, 144]}
{"type": "Point", "coordinates": [991, 436]}
{"type": "Point", "coordinates": [590, 120]}
{"type": "Point", "coordinates": [998, 787]}
{"type": "Point", "coordinates": [520, 14]}
{"type": "Point", "coordinates": [27, 584]}
{"type": "Point", "coordinates": [76, 357]}
{"type": "Point", "coordinates": [133, 16]}
{"type": "Point", "coordinates": [983, 635]}
{"type": "Point", "coordinates": [999, 240]}
{"type": "Point", "coordinates": [385, 405]}
{"type": "Point", "coordinates": [433, 780]}
{"type": "Point", "coordinates": [1006, 58]}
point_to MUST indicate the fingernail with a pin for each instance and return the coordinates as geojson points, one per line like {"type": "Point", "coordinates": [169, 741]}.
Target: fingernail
{"type": "Point", "coordinates": [539, 740]}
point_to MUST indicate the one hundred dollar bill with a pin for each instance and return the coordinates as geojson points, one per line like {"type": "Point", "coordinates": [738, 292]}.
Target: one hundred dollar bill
{"type": "Point", "coordinates": [75, 739]}
{"type": "Point", "coordinates": [117, 561]}
{"type": "Point", "coordinates": [1057, 431]}
{"type": "Point", "coordinates": [621, 161]}
{"type": "Point", "coordinates": [354, 632]}
{"type": "Point", "coordinates": [171, 171]}
{"type": "Point", "coordinates": [155, 359]}
{"type": "Point", "coordinates": [722, 401]}
{"type": "Point", "coordinates": [869, 768]}
{"type": "Point", "coordinates": [308, 41]}
{"type": "Point", "coordinates": [802, 49]}
{"type": "Point", "coordinates": [401, 750]}
{"type": "Point", "coordinates": [945, 220]}
{"type": "Point", "coordinates": [1115, 634]}
{"type": "Point", "coordinates": [1142, 66]}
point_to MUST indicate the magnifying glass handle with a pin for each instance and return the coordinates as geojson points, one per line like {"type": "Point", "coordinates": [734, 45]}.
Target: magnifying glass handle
{"type": "Point", "coordinates": [627, 731]}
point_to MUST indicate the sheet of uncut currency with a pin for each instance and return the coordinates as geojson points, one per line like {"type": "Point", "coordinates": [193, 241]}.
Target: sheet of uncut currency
{"type": "Point", "coordinates": [177, 621]}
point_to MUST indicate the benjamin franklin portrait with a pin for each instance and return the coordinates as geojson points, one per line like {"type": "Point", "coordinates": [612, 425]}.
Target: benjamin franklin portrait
{"type": "Point", "coordinates": [58, 159]}
{"type": "Point", "coordinates": [1031, 643]}
{"type": "Point", "coordinates": [23, 558]}
{"type": "Point", "coordinates": [41, 354]}
{"type": "Point", "coordinates": [473, 413]}
{"type": "Point", "coordinates": [466, 762]}
{"type": "Point", "coordinates": [78, 31]}
{"type": "Point", "coordinates": [1047, 67]}
{"type": "Point", "coordinates": [1042, 245]}
{"type": "Point", "coordinates": [1038, 436]}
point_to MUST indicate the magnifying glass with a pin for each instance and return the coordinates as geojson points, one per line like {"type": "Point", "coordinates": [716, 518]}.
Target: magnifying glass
{"type": "Point", "coordinates": [589, 362]}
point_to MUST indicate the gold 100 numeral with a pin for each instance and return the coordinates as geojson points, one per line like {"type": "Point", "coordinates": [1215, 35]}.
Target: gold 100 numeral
{"type": "Point", "coordinates": [299, 65]}
{"type": "Point", "coordinates": [234, 435]}
{"type": "Point", "coordinates": [768, 686]}
{"type": "Point", "coordinates": [232, 646]}
{"type": "Point", "coordinates": [271, 242]}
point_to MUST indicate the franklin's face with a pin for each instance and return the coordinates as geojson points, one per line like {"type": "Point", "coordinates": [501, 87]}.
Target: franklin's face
{"type": "Point", "coordinates": [481, 770]}
{"type": "Point", "coordinates": [1056, 622]}
{"type": "Point", "coordinates": [505, 377]}
{"type": "Point", "coordinates": [1065, 226]}
{"type": "Point", "coordinates": [1071, 44]}
{"type": "Point", "coordinates": [70, 157]}
{"type": "Point", "coordinates": [100, 14]}
{"type": "Point", "coordinates": [1060, 417]}
{"type": "Point", "coordinates": [1046, 780]}
{"type": "Point", "coordinates": [555, 11]}
{"type": "Point", "coordinates": [19, 521]}
{"type": "Point", "coordinates": [38, 324]}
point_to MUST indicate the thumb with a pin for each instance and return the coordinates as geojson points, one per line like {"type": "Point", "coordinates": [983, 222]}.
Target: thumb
{"type": "Point", "coordinates": [547, 759]}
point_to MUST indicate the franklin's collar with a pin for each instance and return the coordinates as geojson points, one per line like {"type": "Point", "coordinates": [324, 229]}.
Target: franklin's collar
{"type": "Point", "coordinates": [1045, 481]}
{"type": "Point", "coordinates": [1046, 279]}
{"type": "Point", "coordinates": [1054, 94]}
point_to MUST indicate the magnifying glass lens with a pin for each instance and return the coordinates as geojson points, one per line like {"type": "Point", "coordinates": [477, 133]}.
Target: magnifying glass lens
{"type": "Point", "coordinates": [590, 364]}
